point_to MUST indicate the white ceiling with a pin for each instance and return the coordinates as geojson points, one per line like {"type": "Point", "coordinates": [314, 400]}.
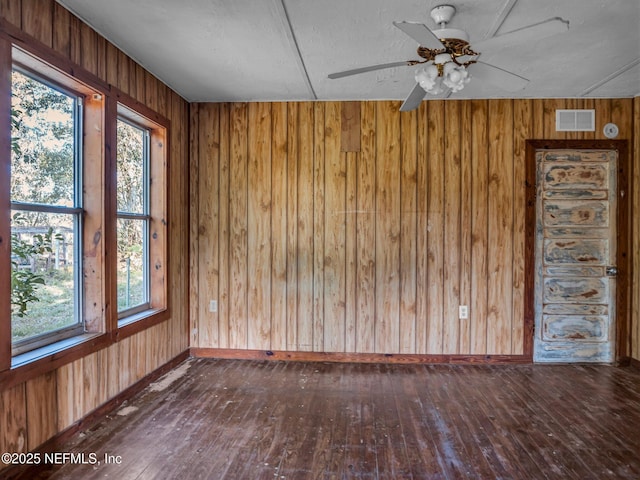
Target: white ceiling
{"type": "Point", "coordinates": [270, 50]}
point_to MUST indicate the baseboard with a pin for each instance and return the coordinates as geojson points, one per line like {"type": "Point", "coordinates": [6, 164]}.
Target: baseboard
{"type": "Point", "coordinates": [92, 418]}
{"type": "Point", "coordinates": [635, 363]}
{"type": "Point", "coordinates": [400, 358]}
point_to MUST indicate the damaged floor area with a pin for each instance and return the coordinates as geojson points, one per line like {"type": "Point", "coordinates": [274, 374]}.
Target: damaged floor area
{"type": "Point", "coordinates": [235, 419]}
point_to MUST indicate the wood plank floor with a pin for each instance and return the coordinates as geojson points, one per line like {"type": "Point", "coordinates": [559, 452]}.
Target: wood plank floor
{"type": "Point", "coordinates": [234, 419]}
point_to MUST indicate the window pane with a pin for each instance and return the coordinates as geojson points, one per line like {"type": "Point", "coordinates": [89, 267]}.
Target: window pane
{"type": "Point", "coordinates": [43, 284]}
{"type": "Point", "coordinates": [42, 141]}
{"type": "Point", "coordinates": [130, 168]}
{"type": "Point", "coordinates": [132, 263]}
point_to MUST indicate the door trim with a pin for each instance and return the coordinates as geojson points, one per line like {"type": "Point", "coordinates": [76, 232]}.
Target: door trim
{"type": "Point", "coordinates": [623, 255]}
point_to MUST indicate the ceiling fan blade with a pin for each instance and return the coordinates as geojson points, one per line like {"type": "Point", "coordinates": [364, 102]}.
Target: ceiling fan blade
{"type": "Point", "coordinates": [421, 34]}
{"type": "Point", "coordinates": [370, 68]}
{"type": "Point", "coordinates": [530, 33]}
{"type": "Point", "coordinates": [500, 78]}
{"type": "Point", "coordinates": [414, 99]}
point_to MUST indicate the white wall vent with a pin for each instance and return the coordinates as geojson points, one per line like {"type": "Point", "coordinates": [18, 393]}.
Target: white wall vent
{"type": "Point", "coordinates": [575, 120]}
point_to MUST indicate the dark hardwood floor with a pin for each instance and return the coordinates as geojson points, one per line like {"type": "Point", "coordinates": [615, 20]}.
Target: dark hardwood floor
{"type": "Point", "coordinates": [234, 419]}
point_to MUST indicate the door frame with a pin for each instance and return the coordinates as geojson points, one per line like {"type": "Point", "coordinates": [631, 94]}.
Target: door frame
{"type": "Point", "coordinates": [623, 255]}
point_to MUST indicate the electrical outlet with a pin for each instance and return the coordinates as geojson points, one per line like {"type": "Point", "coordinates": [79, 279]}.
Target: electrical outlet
{"type": "Point", "coordinates": [213, 306]}
{"type": "Point", "coordinates": [463, 312]}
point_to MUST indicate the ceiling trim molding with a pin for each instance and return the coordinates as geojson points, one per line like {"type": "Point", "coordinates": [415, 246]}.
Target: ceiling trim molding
{"type": "Point", "coordinates": [607, 79]}
{"type": "Point", "coordinates": [294, 43]}
{"type": "Point", "coordinates": [502, 16]}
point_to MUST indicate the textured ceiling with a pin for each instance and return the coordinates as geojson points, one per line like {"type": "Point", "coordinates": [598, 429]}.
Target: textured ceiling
{"type": "Point", "coordinates": [262, 50]}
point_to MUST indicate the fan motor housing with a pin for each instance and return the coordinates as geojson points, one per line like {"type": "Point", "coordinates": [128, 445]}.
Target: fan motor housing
{"type": "Point", "coordinates": [443, 13]}
{"type": "Point", "coordinates": [451, 33]}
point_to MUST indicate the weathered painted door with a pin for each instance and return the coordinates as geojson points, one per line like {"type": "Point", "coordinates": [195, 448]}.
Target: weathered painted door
{"type": "Point", "coordinates": [575, 294]}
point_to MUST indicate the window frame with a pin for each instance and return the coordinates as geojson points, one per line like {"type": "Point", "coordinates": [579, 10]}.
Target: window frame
{"type": "Point", "coordinates": [145, 217]}
{"type": "Point", "coordinates": [76, 211]}
{"type": "Point", "coordinates": [140, 115]}
{"type": "Point", "coordinates": [103, 103]}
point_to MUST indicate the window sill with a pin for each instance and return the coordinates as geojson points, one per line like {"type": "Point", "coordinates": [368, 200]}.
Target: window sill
{"type": "Point", "coordinates": [51, 349]}
{"type": "Point", "coordinates": [141, 321]}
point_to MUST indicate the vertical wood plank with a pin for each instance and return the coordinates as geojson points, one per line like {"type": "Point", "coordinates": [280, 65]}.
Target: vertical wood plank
{"type": "Point", "coordinates": [387, 339]}
{"type": "Point", "coordinates": [259, 204]}
{"type": "Point", "coordinates": [65, 389]}
{"type": "Point", "coordinates": [452, 233]}
{"type": "Point", "coordinates": [334, 233]}
{"type": "Point", "coordinates": [521, 132]}
{"type": "Point", "coordinates": [124, 368]}
{"type": "Point", "coordinates": [622, 115]}
{"type": "Point", "coordinates": [133, 80]}
{"type": "Point", "coordinates": [538, 118]}
{"type": "Point", "coordinates": [11, 11]}
{"type": "Point", "coordinates": [549, 118]}
{"type": "Point", "coordinates": [13, 411]}
{"type": "Point", "coordinates": [500, 259]}
{"type": "Point", "coordinates": [292, 227]}
{"type": "Point", "coordinates": [113, 375]}
{"type": "Point", "coordinates": [603, 115]}
{"type": "Point", "coordinates": [479, 226]}
{"type": "Point", "coordinates": [101, 382]}
{"type": "Point", "coordinates": [111, 62]}
{"type": "Point", "coordinates": [305, 226]}
{"type": "Point", "coordinates": [366, 228]}
{"type": "Point", "coordinates": [466, 214]}
{"type": "Point", "coordinates": [194, 224]}
{"type": "Point", "coordinates": [152, 339]}
{"type": "Point", "coordinates": [408, 230]}
{"type": "Point", "coordinates": [141, 82]}
{"type": "Point", "coordinates": [238, 227]}
{"type": "Point", "coordinates": [279, 165]}
{"type": "Point", "coordinates": [37, 20]}
{"type": "Point", "coordinates": [162, 104]}
{"type": "Point", "coordinates": [42, 409]}
{"type": "Point", "coordinates": [122, 80]}
{"type": "Point", "coordinates": [422, 308]}
{"type": "Point", "coordinates": [101, 58]}
{"type": "Point", "coordinates": [224, 225]}
{"type": "Point", "coordinates": [88, 48]}
{"type": "Point", "coordinates": [435, 227]}
{"type": "Point", "coordinates": [351, 250]}
{"type": "Point", "coordinates": [350, 127]}
{"type": "Point", "coordinates": [151, 90]}
{"type": "Point", "coordinates": [62, 20]}
{"type": "Point", "coordinates": [318, 227]}
{"type": "Point", "coordinates": [208, 258]}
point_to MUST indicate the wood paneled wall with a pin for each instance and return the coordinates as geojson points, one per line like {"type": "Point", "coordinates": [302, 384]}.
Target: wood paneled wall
{"type": "Point", "coordinates": [635, 233]}
{"type": "Point", "coordinates": [33, 411]}
{"type": "Point", "coordinates": [352, 227]}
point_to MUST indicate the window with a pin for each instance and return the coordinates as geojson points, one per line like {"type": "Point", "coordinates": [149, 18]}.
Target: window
{"type": "Point", "coordinates": [46, 211]}
{"type": "Point", "coordinates": [132, 194]}
{"type": "Point", "coordinates": [87, 225]}
{"type": "Point", "coordinates": [141, 213]}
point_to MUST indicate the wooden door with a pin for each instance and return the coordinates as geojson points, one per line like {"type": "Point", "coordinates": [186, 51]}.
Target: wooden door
{"type": "Point", "coordinates": [575, 285]}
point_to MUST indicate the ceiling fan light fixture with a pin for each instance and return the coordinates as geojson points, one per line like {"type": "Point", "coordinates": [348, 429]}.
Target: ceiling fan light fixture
{"type": "Point", "coordinates": [455, 77]}
{"type": "Point", "coordinates": [430, 79]}
{"type": "Point", "coordinates": [434, 77]}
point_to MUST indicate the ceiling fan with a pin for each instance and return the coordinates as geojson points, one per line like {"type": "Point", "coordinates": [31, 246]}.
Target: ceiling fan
{"type": "Point", "coordinates": [448, 58]}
